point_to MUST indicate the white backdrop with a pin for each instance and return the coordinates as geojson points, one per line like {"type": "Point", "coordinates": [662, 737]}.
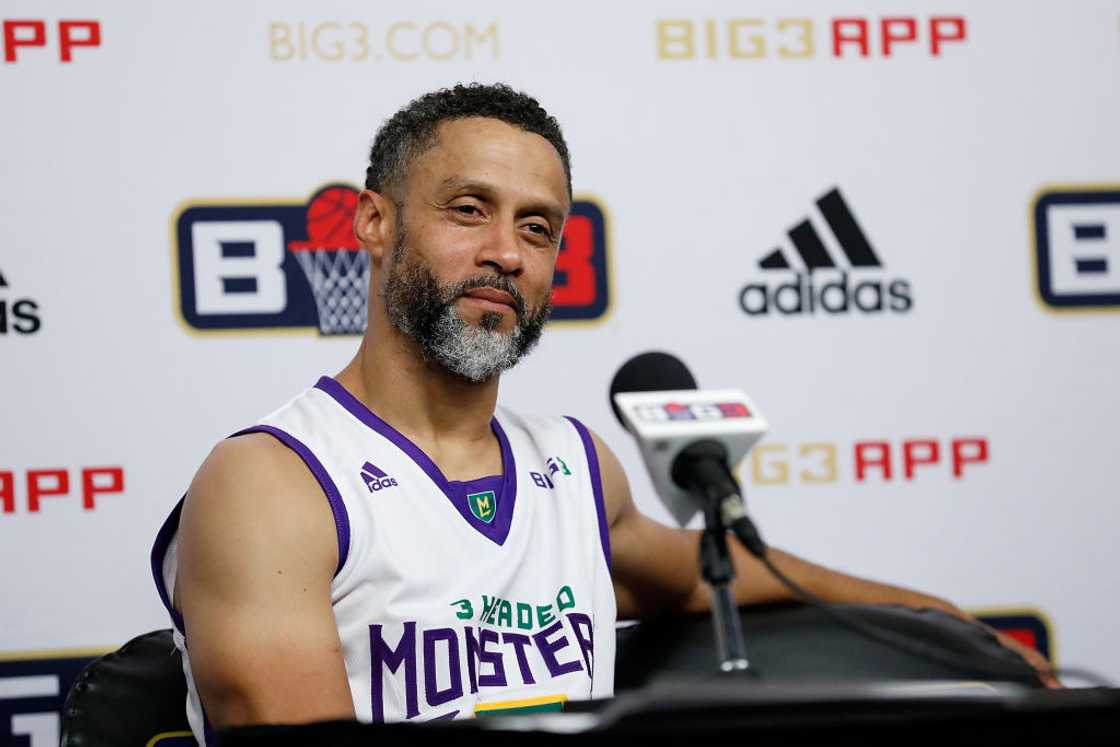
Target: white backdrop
{"type": "Point", "coordinates": [702, 158]}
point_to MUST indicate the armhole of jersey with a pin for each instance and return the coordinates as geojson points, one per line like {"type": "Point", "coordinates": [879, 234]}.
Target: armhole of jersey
{"type": "Point", "coordinates": [334, 498]}
{"type": "Point", "coordinates": [159, 552]}
{"type": "Point", "coordinates": [207, 728]}
{"type": "Point", "coordinates": [596, 486]}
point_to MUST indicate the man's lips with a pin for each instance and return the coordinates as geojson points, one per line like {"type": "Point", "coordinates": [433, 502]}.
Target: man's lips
{"type": "Point", "coordinates": [493, 295]}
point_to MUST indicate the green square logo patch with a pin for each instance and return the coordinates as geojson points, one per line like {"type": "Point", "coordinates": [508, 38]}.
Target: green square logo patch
{"type": "Point", "coordinates": [483, 505]}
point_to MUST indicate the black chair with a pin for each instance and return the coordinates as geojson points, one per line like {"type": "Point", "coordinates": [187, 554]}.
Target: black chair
{"type": "Point", "coordinates": [137, 693]}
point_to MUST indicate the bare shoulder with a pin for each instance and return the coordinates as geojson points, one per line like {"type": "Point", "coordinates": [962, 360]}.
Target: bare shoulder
{"type": "Point", "coordinates": [254, 460]}
{"type": "Point", "coordinates": [254, 507]}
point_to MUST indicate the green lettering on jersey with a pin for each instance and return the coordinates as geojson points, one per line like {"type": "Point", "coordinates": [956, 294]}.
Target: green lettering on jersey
{"type": "Point", "coordinates": [524, 616]}
{"type": "Point", "coordinates": [505, 614]}
{"type": "Point", "coordinates": [565, 599]}
{"type": "Point", "coordinates": [466, 611]}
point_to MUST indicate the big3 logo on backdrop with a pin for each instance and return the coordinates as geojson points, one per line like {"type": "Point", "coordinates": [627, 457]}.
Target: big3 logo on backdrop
{"type": "Point", "coordinates": [1077, 247]}
{"type": "Point", "coordinates": [266, 265]}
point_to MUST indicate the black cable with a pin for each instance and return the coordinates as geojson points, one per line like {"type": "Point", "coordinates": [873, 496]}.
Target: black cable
{"type": "Point", "coordinates": [748, 534]}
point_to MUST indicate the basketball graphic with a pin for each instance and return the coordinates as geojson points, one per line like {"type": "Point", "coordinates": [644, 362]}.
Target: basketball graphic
{"type": "Point", "coordinates": [330, 220]}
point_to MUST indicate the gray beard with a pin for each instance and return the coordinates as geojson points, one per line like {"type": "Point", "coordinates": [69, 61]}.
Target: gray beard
{"type": "Point", "coordinates": [474, 353]}
{"type": "Point", "coordinates": [418, 306]}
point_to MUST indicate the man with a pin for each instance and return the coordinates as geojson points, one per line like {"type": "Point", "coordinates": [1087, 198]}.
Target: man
{"type": "Point", "coordinates": [465, 558]}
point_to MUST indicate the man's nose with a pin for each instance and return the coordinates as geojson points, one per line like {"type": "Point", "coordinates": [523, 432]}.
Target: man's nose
{"type": "Point", "coordinates": [502, 250]}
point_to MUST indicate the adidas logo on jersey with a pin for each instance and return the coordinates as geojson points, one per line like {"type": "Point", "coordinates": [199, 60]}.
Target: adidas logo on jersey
{"type": "Point", "coordinates": [805, 293]}
{"type": "Point", "coordinates": [375, 479]}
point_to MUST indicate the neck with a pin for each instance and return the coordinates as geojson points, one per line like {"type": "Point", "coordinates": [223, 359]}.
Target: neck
{"type": "Point", "coordinates": [418, 397]}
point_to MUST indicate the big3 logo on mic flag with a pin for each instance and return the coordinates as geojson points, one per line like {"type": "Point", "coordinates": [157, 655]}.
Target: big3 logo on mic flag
{"type": "Point", "coordinates": [275, 264]}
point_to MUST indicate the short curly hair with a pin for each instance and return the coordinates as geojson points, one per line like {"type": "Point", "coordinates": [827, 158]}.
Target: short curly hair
{"type": "Point", "coordinates": [412, 130]}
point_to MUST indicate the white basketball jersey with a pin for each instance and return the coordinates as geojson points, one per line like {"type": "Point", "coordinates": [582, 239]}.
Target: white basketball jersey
{"type": "Point", "coordinates": [452, 598]}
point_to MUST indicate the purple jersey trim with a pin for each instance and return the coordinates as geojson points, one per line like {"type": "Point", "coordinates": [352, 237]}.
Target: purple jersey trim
{"type": "Point", "coordinates": [334, 498]}
{"type": "Point", "coordinates": [596, 486]}
{"type": "Point", "coordinates": [159, 551]}
{"type": "Point", "coordinates": [506, 494]}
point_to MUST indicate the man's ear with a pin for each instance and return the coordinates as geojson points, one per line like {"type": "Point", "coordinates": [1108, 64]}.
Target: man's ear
{"type": "Point", "coordinates": [375, 223]}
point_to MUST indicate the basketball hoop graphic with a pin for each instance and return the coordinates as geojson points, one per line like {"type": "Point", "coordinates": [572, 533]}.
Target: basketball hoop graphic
{"type": "Point", "coordinates": [337, 268]}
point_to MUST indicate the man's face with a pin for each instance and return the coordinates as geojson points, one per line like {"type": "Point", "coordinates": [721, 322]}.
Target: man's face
{"type": "Point", "coordinates": [478, 227]}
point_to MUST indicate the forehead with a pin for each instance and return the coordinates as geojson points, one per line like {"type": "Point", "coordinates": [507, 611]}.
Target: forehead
{"type": "Point", "coordinates": [478, 149]}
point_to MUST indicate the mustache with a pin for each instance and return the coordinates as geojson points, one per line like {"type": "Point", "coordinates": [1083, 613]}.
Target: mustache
{"type": "Point", "coordinates": [498, 282]}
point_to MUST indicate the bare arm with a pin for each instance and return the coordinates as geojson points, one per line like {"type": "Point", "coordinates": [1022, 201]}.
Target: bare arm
{"type": "Point", "coordinates": [257, 554]}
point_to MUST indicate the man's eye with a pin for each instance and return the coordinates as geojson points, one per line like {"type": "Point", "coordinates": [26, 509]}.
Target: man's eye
{"type": "Point", "coordinates": [540, 228]}
{"type": "Point", "coordinates": [468, 209]}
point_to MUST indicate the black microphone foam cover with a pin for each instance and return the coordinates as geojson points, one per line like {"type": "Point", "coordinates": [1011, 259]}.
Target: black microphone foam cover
{"type": "Point", "coordinates": [650, 372]}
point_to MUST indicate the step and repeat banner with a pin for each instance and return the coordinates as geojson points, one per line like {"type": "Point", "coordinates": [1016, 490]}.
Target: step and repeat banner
{"type": "Point", "coordinates": [896, 225]}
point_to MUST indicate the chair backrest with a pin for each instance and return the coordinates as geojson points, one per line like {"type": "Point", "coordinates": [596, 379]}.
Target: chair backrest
{"type": "Point", "coordinates": [135, 695]}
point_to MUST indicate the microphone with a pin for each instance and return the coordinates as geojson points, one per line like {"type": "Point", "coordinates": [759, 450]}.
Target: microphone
{"type": "Point", "coordinates": [689, 437]}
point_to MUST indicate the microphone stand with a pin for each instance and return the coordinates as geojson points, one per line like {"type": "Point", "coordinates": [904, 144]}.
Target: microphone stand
{"type": "Point", "coordinates": [715, 557]}
{"type": "Point", "coordinates": [718, 571]}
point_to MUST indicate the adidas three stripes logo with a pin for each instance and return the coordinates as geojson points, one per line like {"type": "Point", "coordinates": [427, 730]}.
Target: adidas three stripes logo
{"type": "Point", "coordinates": [804, 292]}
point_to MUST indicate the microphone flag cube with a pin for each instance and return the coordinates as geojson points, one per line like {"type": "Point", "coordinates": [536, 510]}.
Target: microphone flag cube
{"type": "Point", "coordinates": [666, 422]}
